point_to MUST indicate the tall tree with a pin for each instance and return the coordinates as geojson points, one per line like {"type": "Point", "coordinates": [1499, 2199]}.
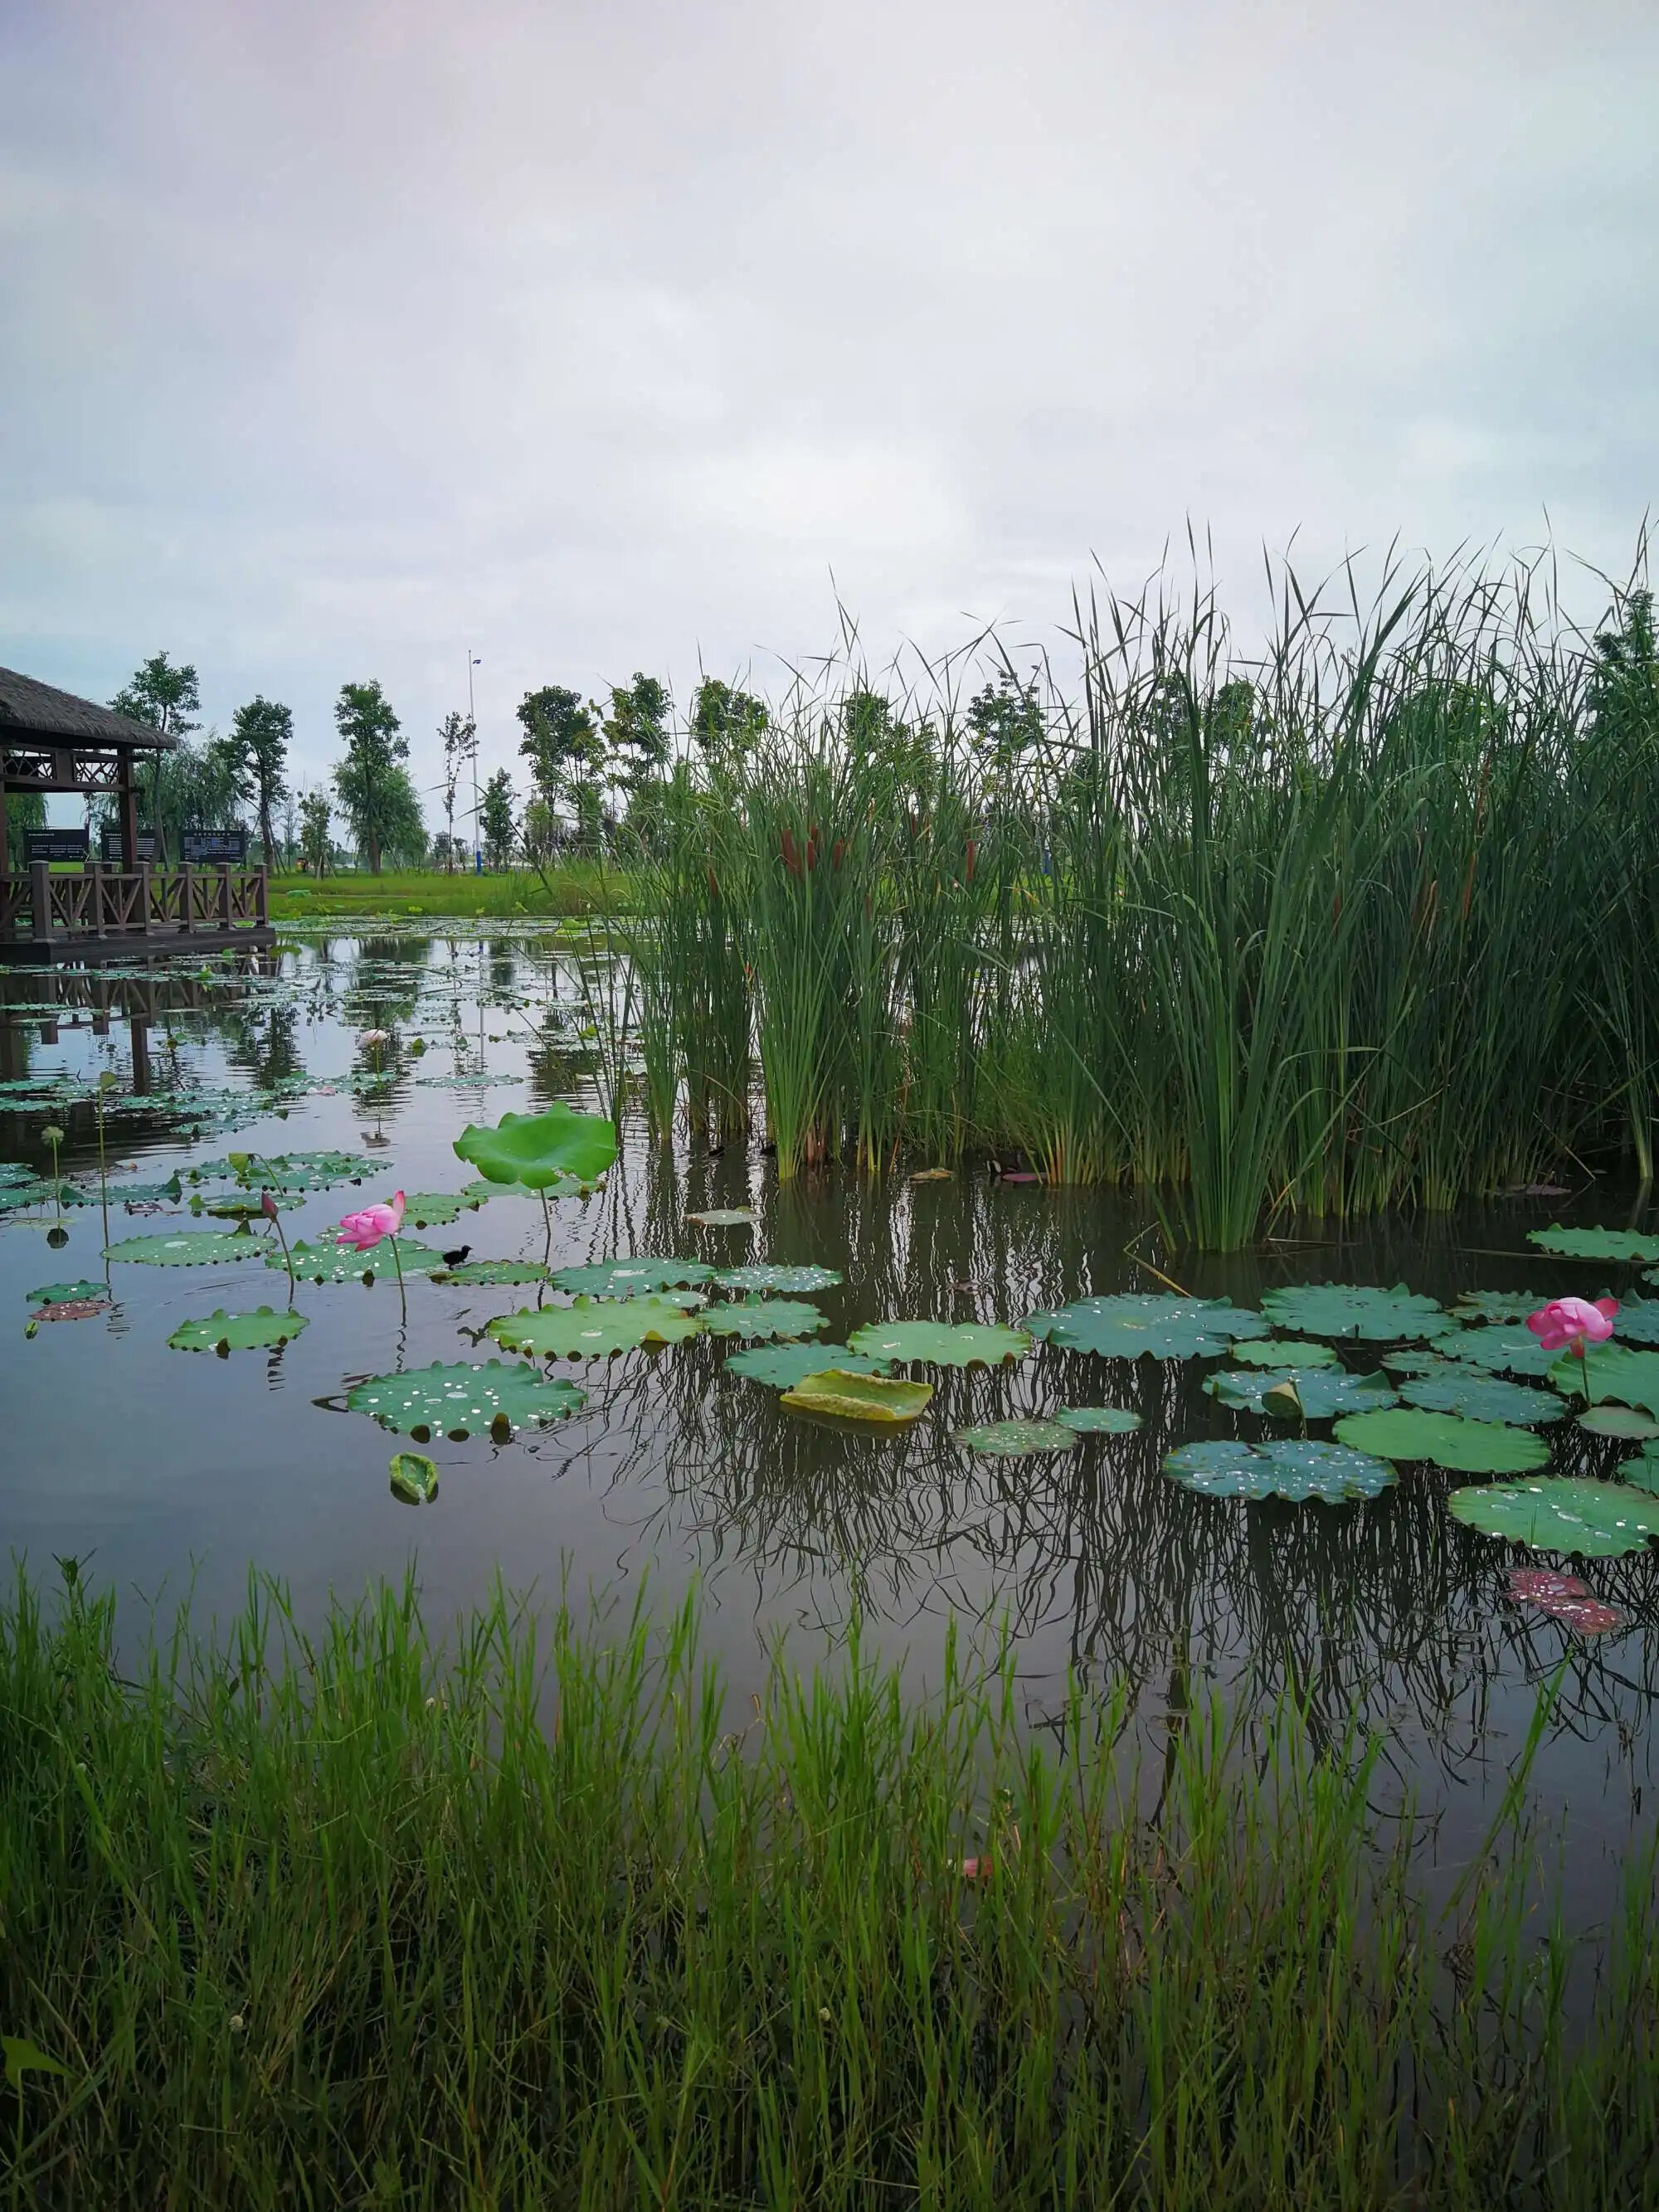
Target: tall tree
{"type": "Point", "coordinates": [261, 731]}
{"type": "Point", "coordinates": [314, 812]}
{"type": "Point", "coordinates": [727, 725]}
{"type": "Point", "coordinates": [636, 730]}
{"type": "Point", "coordinates": [495, 818]}
{"type": "Point", "coordinates": [564, 745]}
{"type": "Point", "coordinates": [161, 693]}
{"type": "Point", "coordinates": [367, 778]}
{"type": "Point", "coordinates": [459, 735]}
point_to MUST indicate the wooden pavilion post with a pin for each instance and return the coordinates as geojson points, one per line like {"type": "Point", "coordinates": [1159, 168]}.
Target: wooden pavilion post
{"type": "Point", "coordinates": [128, 805]}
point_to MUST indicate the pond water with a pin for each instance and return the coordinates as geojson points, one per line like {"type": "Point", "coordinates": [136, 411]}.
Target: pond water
{"type": "Point", "coordinates": [167, 1470]}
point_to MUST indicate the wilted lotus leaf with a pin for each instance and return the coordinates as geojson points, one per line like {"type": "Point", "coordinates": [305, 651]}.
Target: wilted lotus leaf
{"type": "Point", "coordinates": [1595, 1244]}
{"type": "Point", "coordinates": [1099, 1421]}
{"type": "Point", "coordinates": [1356, 1310]}
{"type": "Point", "coordinates": [783, 1366]}
{"type": "Point", "coordinates": [1297, 1351]}
{"type": "Point", "coordinates": [1500, 1351]}
{"type": "Point", "coordinates": [791, 1280]}
{"type": "Point", "coordinates": [227, 1332]}
{"type": "Point", "coordinates": [493, 1271]}
{"type": "Point", "coordinates": [596, 1328]}
{"type": "Point", "coordinates": [1561, 1513]}
{"type": "Point", "coordinates": [1625, 1421]}
{"type": "Point", "coordinates": [1633, 1378]}
{"type": "Point", "coordinates": [1409, 1432]}
{"type": "Point", "coordinates": [460, 1401]}
{"type": "Point", "coordinates": [189, 1248]}
{"type": "Point", "coordinates": [1015, 1439]}
{"type": "Point", "coordinates": [941, 1343]}
{"type": "Point", "coordinates": [414, 1479]}
{"type": "Point", "coordinates": [1454, 1388]}
{"type": "Point", "coordinates": [70, 1309]}
{"type": "Point", "coordinates": [844, 1396]}
{"type": "Point", "coordinates": [62, 1294]}
{"type": "Point", "coordinates": [545, 1150]}
{"type": "Point", "coordinates": [1496, 1305]}
{"type": "Point", "coordinates": [763, 1317]}
{"type": "Point", "coordinates": [1159, 1324]}
{"type": "Point", "coordinates": [327, 1262]}
{"type": "Point", "coordinates": [1285, 1467]}
{"type": "Point", "coordinates": [724, 1216]}
{"type": "Point", "coordinates": [433, 1209]}
{"type": "Point", "coordinates": [1323, 1392]}
{"type": "Point", "coordinates": [625, 1279]}
{"type": "Point", "coordinates": [1563, 1598]}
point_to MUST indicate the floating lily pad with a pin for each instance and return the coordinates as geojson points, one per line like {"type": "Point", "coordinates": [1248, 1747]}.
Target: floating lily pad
{"type": "Point", "coordinates": [493, 1271]}
{"type": "Point", "coordinates": [724, 1216]}
{"type": "Point", "coordinates": [1323, 1391]}
{"type": "Point", "coordinates": [840, 1395]}
{"type": "Point", "coordinates": [458, 1401]}
{"type": "Point", "coordinates": [433, 1209]}
{"type": "Point", "coordinates": [188, 1248]}
{"type": "Point", "coordinates": [1614, 1372]}
{"type": "Point", "coordinates": [783, 1366]}
{"type": "Point", "coordinates": [1285, 1467]}
{"type": "Point", "coordinates": [243, 1205]}
{"type": "Point", "coordinates": [1628, 1244]}
{"type": "Point", "coordinates": [1496, 1305]}
{"type": "Point", "coordinates": [1561, 1513]}
{"type": "Point", "coordinates": [1016, 1439]}
{"type": "Point", "coordinates": [249, 1332]}
{"type": "Point", "coordinates": [414, 1479]}
{"type": "Point", "coordinates": [150, 1194]}
{"type": "Point", "coordinates": [70, 1309]}
{"type": "Point", "coordinates": [1418, 1359]}
{"type": "Point", "coordinates": [1501, 1351]}
{"type": "Point", "coordinates": [286, 1171]}
{"type": "Point", "coordinates": [1454, 1388]}
{"type": "Point", "coordinates": [1563, 1598]}
{"type": "Point", "coordinates": [941, 1343]}
{"type": "Point", "coordinates": [625, 1279]}
{"type": "Point", "coordinates": [596, 1328]}
{"type": "Point", "coordinates": [791, 1281]}
{"type": "Point", "coordinates": [1625, 1421]}
{"type": "Point", "coordinates": [1283, 1352]}
{"type": "Point", "coordinates": [1636, 1321]}
{"type": "Point", "coordinates": [478, 1194]}
{"type": "Point", "coordinates": [1159, 1324]}
{"type": "Point", "coordinates": [764, 1317]}
{"type": "Point", "coordinates": [338, 1263]}
{"type": "Point", "coordinates": [1357, 1310]}
{"type": "Point", "coordinates": [15, 1198]}
{"type": "Point", "coordinates": [60, 1294]}
{"type": "Point", "coordinates": [1099, 1421]}
{"type": "Point", "coordinates": [1644, 1469]}
{"type": "Point", "coordinates": [1410, 1433]}
{"type": "Point", "coordinates": [545, 1150]}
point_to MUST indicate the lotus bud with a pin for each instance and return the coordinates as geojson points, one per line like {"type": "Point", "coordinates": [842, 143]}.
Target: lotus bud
{"type": "Point", "coordinates": [52, 1135]}
{"type": "Point", "coordinates": [267, 1205]}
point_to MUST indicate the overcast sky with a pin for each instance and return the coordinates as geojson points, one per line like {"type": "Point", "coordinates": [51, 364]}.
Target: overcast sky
{"type": "Point", "coordinates": [336, 338]}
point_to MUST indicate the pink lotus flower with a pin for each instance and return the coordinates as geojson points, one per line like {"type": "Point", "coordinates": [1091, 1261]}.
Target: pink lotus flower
{"type": "Point", "coordinates": [1573, 1322]}
{"type": "Point", "coordinates": [365, 1230]}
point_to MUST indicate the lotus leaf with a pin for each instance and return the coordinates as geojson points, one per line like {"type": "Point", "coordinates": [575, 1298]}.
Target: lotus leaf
{"type": "Point", "coordinates": [227, 1332]}
{"type": "Point", "coordinates": [1496, 1305]}
{"type": "Point", "coordinates": [792, 1281]}
{"type": "Point", "coordinates": [433, 1209]}
{"type": "Point", "coordinates": [289, 1171]}
{"type": "Point", "coordinates": [1284, 1467]}
{"type": "Point", "coordinates": [188, 1248]}
{"type": "Point", "coordinates": [596, 1328]}
{"type": "Point", "coordinates": [1633, 1378]}
{"type": "Point", "coordinates": [941, 1343]}
{"type": "Point", "coordinates": [1624, 1421]}
{"type": "Point", "coordinates": [1015, 1439]}
{"type": "Point", "coordinates": [1283, 1352]}
{"type": "Point", "coordinates": [150, 1194]}
{"type": "Point", "coordinates": [337, 1263]}
{"type": "Point", "coordinates": [724, 1216]}
{"type": "Point", "coordinates": [623, 1278]}
{"type": "Point", "coordinates": [1595, 1244]}
{"type": "Point", "coordinates": [414, 1479]}
{"type": "Point", "coordinates": [1159, 1324]}
{"type": "Point", "coordinates": [1410, 1433]}
{"type": "Point", "coordinates": [1323, 1392]}
{"type": "Point", "coordinates": [460, 1401]}
{"type": "Point", "coordinates": [16, 1197]}
{"type": "Point", "coordinates": [69, 1309]}
{"type": "Point", "coordinates": [769, 1317]}
{"type": "Point", "coordinates": [478, 1193]}
{"type": "Point", "coordinates": [1454, 1388]}
{"type": "Point", "coordinates": [1561, 1513]}
{"type": "Point", "coordinates": [493, 1271]}
{"type": "Point", "coordinates": [1644, 1469]}
{"type": "Point", "coordinates": [843, 1396]}
{"type": "Point", "coordinates": [243, 1205]}
{"type": "Point", "coordinates": [1358, 1309]}
{"type": "Point", "coordinates": [783, 1366]}
{"type": "Point", "coordinates": [1414, 1359]}
{"type": "Point", "coordinates": [1636, 1321]}
{"type": "Point", "coordinates": [1501, 1351]}
{"type": "Point", "coordinates": [545, 1150]}
{"type": "Point", "coordinates": [1099, 1421]}
{"type": "Point", "coordinates": [62, 1294]}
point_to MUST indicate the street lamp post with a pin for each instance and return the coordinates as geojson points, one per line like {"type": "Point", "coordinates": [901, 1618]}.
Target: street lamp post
{"type": "Point", "coordinates": [473, 662]}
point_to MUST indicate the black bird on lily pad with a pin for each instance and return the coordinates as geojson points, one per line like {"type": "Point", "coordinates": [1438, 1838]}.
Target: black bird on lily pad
{"type": "Point", "coordinates": [457, 1257]}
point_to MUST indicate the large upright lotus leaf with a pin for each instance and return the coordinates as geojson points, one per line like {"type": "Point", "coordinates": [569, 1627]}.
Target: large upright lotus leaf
{"type": "Point", "coordinates": [1018, 1439]}
{"type": "Point", "coordinates": [433, 1209]}
{"type": "Point", "coordinates": [941, 1343]}
{"type": "Point", "coordinates": [328, 1262]}
{"type": "Point", "coordinates": [626, 1278]}
{"type": "Point", "coordinates": [1158, 1323]}
{"type": "Point", "coordinates": [1099, 1421]}
{"type": "Point", "coordinates": [1562, 1513]}
{"type": "Point", "coordinates": [493, 1271]}
{"type": "Point", "coordinates": [1286, 1468]}
{"type": "Point", "coordinates": [1454, 1388]}
{"type": "Point", "coordinates": [260, 1331]}
{"type": "Point", "coordinates": [1628, 1244]}
{"type": "Point", "coordinates": [460, 1401]}
{"type": "Point", "coordinates": [1500, 1351]}
{"type": "Point", "coordinates": [596, 1328]}
{"type": "Point", "coordinates": [783, 1366]}
{"type": "Point", "coordinates": [1644, 1469]}
{"type": "Point", "coordinates": [541, 1150]}
{"type": "Point", "coordinates": [189, 1248]}
{"type": "Point", "coordinates": [64, 1294]}
{"type": "Point", "coordinates": [791, 1281]}
{"type": "Point", "coordinates": [1613, 1371]}
{"type": "Point", "coordinates": [1297, 1351]}
{"type": "Point", "coordinates": [753, 1318]}
{"type": "Point", "coordinates": [1410, 1433]}
{"type": "Point", "coordinates": [1357, 1310]}
{"type": "Point", "coordinates": [839, 1395]}
{"type": "Point", "coordinates": [1496, 1305]}
{"type": "Point", "coordinates": [1324, 1391]}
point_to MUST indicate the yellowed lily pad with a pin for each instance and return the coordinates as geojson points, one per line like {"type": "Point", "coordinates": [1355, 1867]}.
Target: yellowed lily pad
{"type": "Point", "coordinates": [879, 1398]}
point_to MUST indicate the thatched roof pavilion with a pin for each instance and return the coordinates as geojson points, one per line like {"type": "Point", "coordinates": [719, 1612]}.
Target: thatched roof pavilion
{"type": "Point", "coordinates": [50, 740]}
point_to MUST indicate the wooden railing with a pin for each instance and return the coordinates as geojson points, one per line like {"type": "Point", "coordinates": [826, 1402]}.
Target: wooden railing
{"type": "Point", "coordinates": [45, 908]}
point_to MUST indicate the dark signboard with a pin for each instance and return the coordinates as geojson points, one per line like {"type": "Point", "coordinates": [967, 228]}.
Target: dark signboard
{"type": "Point", "coordinates": [215, 849]}
{"type": "Point", "coordinates": [59, 845]}
{"type": "Point", "coordinates": [110, 848]}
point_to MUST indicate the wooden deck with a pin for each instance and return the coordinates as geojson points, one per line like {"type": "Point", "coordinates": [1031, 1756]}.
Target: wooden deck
{"type": "Point", "coordinates": [107, 913]}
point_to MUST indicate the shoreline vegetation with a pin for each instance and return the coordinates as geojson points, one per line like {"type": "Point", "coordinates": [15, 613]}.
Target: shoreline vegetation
{"type": "Point", "coordinates": [351, 1919]}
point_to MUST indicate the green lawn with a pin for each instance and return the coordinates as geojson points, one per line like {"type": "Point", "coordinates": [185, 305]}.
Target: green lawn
{"type": "Point", "coordinates": [574, 887]}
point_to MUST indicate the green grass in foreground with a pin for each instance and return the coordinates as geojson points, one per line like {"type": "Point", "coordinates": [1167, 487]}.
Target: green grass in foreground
{"type": "Point", "coordinates": [333, 1922]}
{"type": "Point", "coordinates": [573, 887]}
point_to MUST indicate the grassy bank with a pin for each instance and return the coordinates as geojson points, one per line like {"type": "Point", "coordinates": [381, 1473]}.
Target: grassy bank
{"type": "Point", "coordinates": [328, 1923]}
{"type": "Point", "coordinates": [573, 887]}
